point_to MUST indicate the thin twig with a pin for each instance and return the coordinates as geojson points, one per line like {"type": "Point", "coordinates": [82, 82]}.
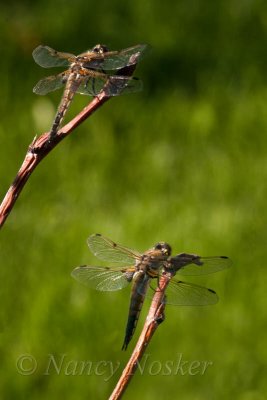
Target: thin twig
{"type": "Point", "coordinates": [37, 150]}
{"type": "Point", "coordinates": [42, 146]}
{"type": "Point", "coordinates": [154, 318]}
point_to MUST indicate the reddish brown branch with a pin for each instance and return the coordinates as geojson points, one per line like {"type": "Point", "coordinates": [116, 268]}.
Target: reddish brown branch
{"type": "Point", "coordinates": [38, 149]}
{"type": "Point", "coordinates": [154, 318]}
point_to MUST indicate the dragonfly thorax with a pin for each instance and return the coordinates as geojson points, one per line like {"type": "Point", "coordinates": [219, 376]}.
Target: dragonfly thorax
{"type": "Point", "coordinates": [77, 65]}
{"type": "Point", "coordinates": [78, 69]}
{"type": "Point", "coordinates": [155, 257]}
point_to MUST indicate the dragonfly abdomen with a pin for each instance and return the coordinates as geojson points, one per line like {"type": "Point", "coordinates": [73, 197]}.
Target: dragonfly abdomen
{"type": "Point", "coordinates": [139, 289]}
{"type": "Point", "coordinates": [67, 97]}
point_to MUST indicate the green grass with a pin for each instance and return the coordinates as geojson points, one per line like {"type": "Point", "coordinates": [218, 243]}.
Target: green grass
{"type": "Point", "coordinates": [184, 161]}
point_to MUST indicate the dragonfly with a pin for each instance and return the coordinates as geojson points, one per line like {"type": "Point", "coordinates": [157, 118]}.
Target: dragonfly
{"type": "Point", "coordinates": [141, 269]}
{"type": "Point", "coordinates": [86, 74]}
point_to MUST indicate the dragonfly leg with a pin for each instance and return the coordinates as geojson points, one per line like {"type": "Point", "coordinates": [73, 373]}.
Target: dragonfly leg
{"type": "Point", "coordinates": [93, 87]}
{"type": "Point", "coordinates": [160, 315]}
{"type": "Point", "coordinates": [87, 82]}
{"type": "Point", "coordinates": [157, 288]}
{"type": "Point", "coordinates": [152, 288]}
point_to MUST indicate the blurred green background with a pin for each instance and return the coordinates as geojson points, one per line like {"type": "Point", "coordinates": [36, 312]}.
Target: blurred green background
{"type": "Point", "coordinates": [184, 161]}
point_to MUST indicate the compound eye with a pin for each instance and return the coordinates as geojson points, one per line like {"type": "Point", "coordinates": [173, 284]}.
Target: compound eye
{"type": "Point", "coordinates": [168, 249]}
{"type": "Point", "coordinates": [165, 248]}
{"type": "Point", "coordinates": [103, 48]}
{"type": "Point", "coordinates": [96, 49]}
{"type": "Point", "coordinates": [100, 49]}
{"type": "Point", "coordinates": [158, 246]}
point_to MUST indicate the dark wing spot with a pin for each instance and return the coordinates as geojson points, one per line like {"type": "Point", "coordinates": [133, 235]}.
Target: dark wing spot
{"type": "Point", "coordinates": [212, 291]}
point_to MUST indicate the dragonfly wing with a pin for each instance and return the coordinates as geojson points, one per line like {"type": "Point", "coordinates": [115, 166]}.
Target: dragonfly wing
{"type": "Point", "coordinates": [113, 85]}
{"type": "Point", "coordinates": [92, 86]}
{"type": "Point", "coordinates": [122, 84]}
{"type": "Point", "coordinates": [50, 83]}
{"type": "Point", "coordinates": [47, 57]}
{"type": "Point", "coordinates": [103, 279]}
{"type": "Point", "coordinates": [106, 250]}
{"type": "Point", "coordinates": [117, 59]}
{"type": "Point", "coordinates": [199, 265]}
{"type": "Point", "coordinates": [187, 294]}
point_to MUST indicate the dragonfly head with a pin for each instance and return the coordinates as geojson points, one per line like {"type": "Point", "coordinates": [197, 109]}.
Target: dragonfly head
{"type": "Point", "coordinates": [100, 49]}
{"type": "Point", "coordinates": [165, 248]}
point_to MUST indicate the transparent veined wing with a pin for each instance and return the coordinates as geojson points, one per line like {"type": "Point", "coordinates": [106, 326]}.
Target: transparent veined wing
{"type": "Point", "coordinates": [47, 57]}
{"type": "Point", "coordinates": [113, 85]}
{"type": "Point", "coordinates": [50, 83]}
{"type": "Point", "coordinates": [118, 85]}
{"type": "Point", "coordinates": [116, 59]}
{"type": "Point", "coordinates": [189, 264]}
{"type": "Point", "coordinates": [107, 250]}
{"type": "Point", "coordinates": [187, 294]}
{"type": "Point", "coordinates": [91, 86]}
{"type": "Point", "coordinates": [103, 278]}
